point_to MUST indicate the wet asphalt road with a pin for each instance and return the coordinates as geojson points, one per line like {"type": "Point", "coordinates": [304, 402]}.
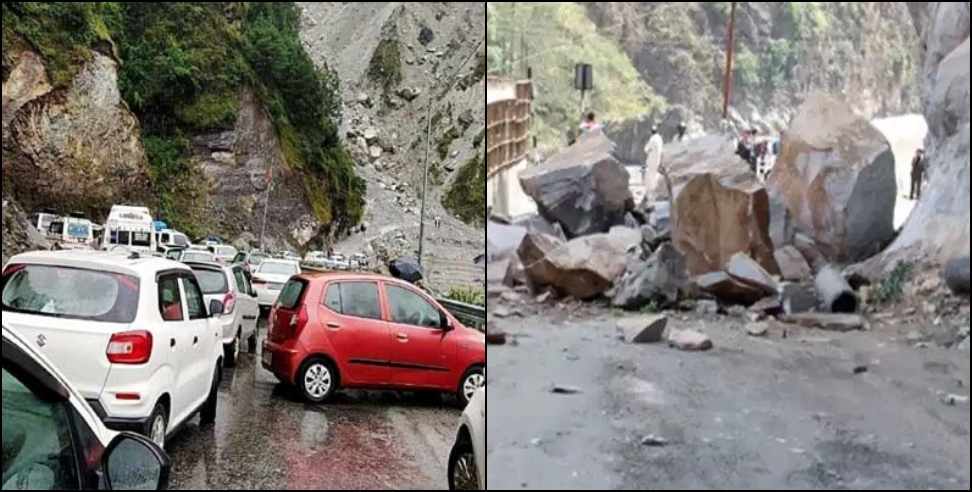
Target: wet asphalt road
{"type": "Point", "coordinates": [266, 438]}
{"type": "Point", "coordinates": [767, 413]}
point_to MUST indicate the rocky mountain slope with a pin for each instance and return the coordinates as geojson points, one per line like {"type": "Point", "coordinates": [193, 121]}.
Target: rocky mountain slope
{"type": "Point", "coordinates": [394, 59]}
{"type": "Point", "coordinates": [186, 108]}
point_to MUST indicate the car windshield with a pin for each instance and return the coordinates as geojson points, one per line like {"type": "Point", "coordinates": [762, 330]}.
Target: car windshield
{"type": "Point", "coordinates": [212, 281]}
{"type": "Point", "coordinates": [79, 230]}
{"type": "Point", "coordinates": [197, 256]}
{"type": "Point", "coordinates": [277, 268]}
{"type": "Point", "coordinates": [143, 239]}
{"type": "Point", "coordinates": [181, 240]}
{"type": "Point", "coordinates": [70, 293]}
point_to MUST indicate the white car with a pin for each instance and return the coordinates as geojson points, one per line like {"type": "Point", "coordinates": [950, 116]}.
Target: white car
{"type": "Point", "coordinates": [44, 449]}
{"type": "Point", "coordinates": [134, 334]}
{"type": "Point", "coordinates": [191, 255]}
{"type": "Point", "coordinates": [223, 253]}
{"type": "Point", "coordinates": [467, 462]}
{"type": "Point", "coordinates": [228, 284]}
{"type": "Point", "coordinates": [270, 278]}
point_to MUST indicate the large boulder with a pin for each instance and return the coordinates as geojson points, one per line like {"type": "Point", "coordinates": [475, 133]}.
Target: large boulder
{"type": "Point", "coordinates": [583, 268]}
{"type": "Point", "coordinates": [836, 176]}
{"type": "Point", "coordinates": [718, 208]}
{"type": "Point", "coordinates": [584, 188]}
{"type": "Point", "coordinates": [660, 280]}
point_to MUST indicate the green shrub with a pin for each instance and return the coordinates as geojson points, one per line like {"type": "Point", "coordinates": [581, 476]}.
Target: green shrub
{"type": "Point", "coordinates": [891, 288]}
{"type": "Point", "coordinates": [467, 196]}
{"type": "Point", "coordinates": [467, 295]}
{"type": "Point", "coordinates": [386, 64]}
{"type": "Point", "coordinates": [747, 71]}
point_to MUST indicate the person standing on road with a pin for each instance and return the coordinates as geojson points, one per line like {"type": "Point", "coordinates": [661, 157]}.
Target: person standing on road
{"type": "Point", "coordinates": [917, 174]}
{"type": "Point", "coordinates": [590, 124]}
{"type": "Point", "coordinates": [653, 155]}
{"type": "Point", "coordinates": [681, 131]}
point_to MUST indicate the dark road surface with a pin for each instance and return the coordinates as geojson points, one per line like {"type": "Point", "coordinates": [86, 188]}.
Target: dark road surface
{"type": "Point", "coordinates": [265, 438]}
{"type": "Point", "coordinates": [752, 413]}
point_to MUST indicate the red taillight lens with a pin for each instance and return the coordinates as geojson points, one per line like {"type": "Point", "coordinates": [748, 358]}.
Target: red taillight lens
{"type": "Point", "coordinates": [130, 348]}
{"type": "Point", "coordinates": [229, 303]}
{"type": "Point", "coordinates": [12, 269]}
{"type": "Point", "coordinates": [301, 322]}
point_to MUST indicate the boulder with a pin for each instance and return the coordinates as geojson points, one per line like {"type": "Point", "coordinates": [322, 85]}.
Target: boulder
{"type": "Point", "coordinates": [719, 208]}
{"type": "Point", "coordinates": [584, 188]}
{"type": "Point", "coordinates": [582, 268]}
{"type": "Point", "coordinates": [771, 306]}
{"type": "Point", "coordinates": [957, 275]}
{"type": "Point", "coordinates": [689, 340]}
{"type": "Point", "coordinates": [536, 223]}
{"type": "Point", "coordinates": [643, 329]}
{"type": "Point", "coordinates": [836, 176]}
{"type": "Point", "coordinates": [727, 289]}
{"type": "Point", "coordinates": [793, 266]}
{"type": "Point", "coordinates": [798, 298]}
{"type": "Point", "coordinates": [744, 269]}
{"type": "Point", "coordinates": [661, 280]}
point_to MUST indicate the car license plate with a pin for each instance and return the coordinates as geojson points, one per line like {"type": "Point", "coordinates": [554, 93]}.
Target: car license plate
{"type": "Point", "coordinates": [267, 358]}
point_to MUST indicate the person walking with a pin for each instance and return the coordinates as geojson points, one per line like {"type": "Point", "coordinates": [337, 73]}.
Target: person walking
{"type": "Point", "coordinates": [590, 124]}
{"type": "Point", "coordinates": [917, 174]}
{"type": "Point", "coordinates": [653, 155]}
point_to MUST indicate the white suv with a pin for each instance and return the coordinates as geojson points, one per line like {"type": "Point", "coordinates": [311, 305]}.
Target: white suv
{"type": "Point", "coordinates": [467, 462]}
{"type": "Point", "coordinates": [229, 285]}
{"type": "Point", "coordinates": [133, 334]}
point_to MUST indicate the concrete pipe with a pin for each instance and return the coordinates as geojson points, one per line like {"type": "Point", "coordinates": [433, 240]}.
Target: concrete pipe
{"type": "Point", "coordinates": [834, 293]}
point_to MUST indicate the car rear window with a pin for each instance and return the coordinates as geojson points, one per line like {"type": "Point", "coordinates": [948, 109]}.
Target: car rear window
{"type": "Point", "coordinates": [278, 268]}
{"type": "Point", "coordinates": [62, 292]}
{"type": "Point", "coordinates": [197, 257]}
{"type": "Point", "coordinates": [291, 294]}
{"type": "Point", "coordinates": [211, 281]}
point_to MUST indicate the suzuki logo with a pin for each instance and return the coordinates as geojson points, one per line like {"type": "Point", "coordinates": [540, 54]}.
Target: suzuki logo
{"type": "Point", "coordinates": [41, 341]}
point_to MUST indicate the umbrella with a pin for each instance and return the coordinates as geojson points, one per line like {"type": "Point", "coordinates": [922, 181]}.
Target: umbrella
{"type": "Point", "coordinates": [406, 268]}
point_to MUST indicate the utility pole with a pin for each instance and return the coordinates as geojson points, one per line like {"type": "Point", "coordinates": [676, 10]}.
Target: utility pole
{"type": "Point", "coordinates": [266, 208]}
{"type": "Point", "coordinates": [730, 45]}
{"type": "Point", "coordinates": [428, 148]}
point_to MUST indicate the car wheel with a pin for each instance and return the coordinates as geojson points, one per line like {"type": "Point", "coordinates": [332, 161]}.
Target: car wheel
{"type": "Point", "coordinates": [317, 381]}
{"type": "Point", "coordinates": [463, 474]}
{"type": "Point", "coordinates": [207, 416]}
{"type": "Point", "coordinates": [231, 352]}
{"type": "Point", "coordinates": [472, 381]}
{"type": "Point", "coordinates": [157, 426]}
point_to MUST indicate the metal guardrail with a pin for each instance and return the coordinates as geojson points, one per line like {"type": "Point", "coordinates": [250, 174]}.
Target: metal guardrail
{"type": "Point", "coordinates": [470, 315]}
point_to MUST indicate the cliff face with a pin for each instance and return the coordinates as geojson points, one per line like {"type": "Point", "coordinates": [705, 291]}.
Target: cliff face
{"type": "Point", "coordinates": [938, 228]}
{"type": "Point", "coordinates": [185, 108]}
{"type": "Point", "coordinates": [394, 59]}
{"type": "Point", "coordinates": [785, 50]}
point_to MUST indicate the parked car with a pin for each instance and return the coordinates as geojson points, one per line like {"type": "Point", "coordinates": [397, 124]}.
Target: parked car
{"type": "Point", "coordinates": [53, 440]}
{"type": "Point", "coordinates": [290, 255]}
{"type": "Point", "coordinates": [347, 330]}
{"type": "Point", "coordinates": [270, 277]}
{"type": "Point", "coordinates": [359, 262]}
{"type": "Point", "coordinates": [467, 461]}
{"type": "Point", "coordinates": [42, 220]}
{"type": "Point", "coordinates": [191, 255]}
{"type": "Point", "coordinates": [168, 239]}
{"type": "Point", "coordinates": [228, 284]}
{"type": "Point", "coordinates": [249, 260]}
{"type": "Point", "coordinates": [339, 262]}
{"type": "Point", "coordinates": [162, 351]}
{"type": "Point", "coordinates": [224, 254]}
{"type": "Point", "coordinates": [316, 259]}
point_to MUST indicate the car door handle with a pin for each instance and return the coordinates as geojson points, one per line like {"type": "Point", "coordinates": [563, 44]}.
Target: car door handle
{"type": "Point", "coordinates": [333, 326]}
{"type": "Point", "coordinates": [402, 337]}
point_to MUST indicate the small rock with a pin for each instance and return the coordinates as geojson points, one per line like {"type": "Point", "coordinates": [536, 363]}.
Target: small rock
{"type": "Point", "coordinates": [689, 340]}
{"type": "Point", "coordinates": [375, 152]}
{"type": "Point", "coordinates": [860, 369]}
{"type": "Point", "coordinates": [654, 441]}
{"type": "Point", "coordinates": [914, 337]}
{"type": "Point", "coordinates": [501, 312]}
{"type": "Point", "coordinates": [643, 329]}
{"type": "Point", "coordinates": [707, 306]}
{"type": "Point", "coordinates": [736, 311]}
{"type": "Point", "coordinates": [536, 442]}
{"type": "Point", "coordinates": [543, 298]}
{"type": "Point", "coordinates": [757, 329]}
{"type": "Point", "coordinates": [566, 390]}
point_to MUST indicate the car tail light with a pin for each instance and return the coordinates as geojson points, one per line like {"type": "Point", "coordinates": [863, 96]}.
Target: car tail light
{"type": "Point", "coordinates": [12, 269]}
{"type": "Point", "coordinates": [130, 348]}
{"type": "Point", "coordinates": [229, 303]}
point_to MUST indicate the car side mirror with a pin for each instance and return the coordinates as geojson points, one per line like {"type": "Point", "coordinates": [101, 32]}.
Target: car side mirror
{"type": "Point", "coordinates": [133, 462]}
{"type": "Point", "coordinates": [216, 308]}
{"type": "Point", "coordinates": [445, 323]}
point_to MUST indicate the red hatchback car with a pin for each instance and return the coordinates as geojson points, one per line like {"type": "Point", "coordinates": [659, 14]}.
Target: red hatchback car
{"type": "Point", "coordinates": [349, 330]}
